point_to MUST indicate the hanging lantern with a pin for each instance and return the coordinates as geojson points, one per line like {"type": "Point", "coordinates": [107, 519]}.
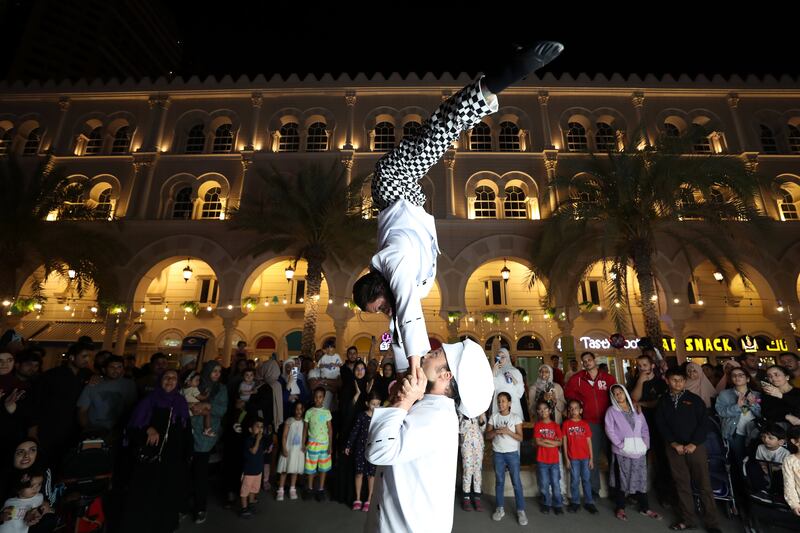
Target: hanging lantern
{"type": "Point", "coordinates": [187, 272]}
{"type": "Point", "coordinates": [289, 272]}
{"type": "Point", "coordinates": [505, 272]}
{"type": "Point", "coordinates": [71, 273]}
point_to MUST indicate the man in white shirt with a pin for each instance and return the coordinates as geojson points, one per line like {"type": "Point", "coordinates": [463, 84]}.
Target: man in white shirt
{"type": "Point", "coordinates": [403, 270]}
{"type": "Point", "coordinates": [416, 444]}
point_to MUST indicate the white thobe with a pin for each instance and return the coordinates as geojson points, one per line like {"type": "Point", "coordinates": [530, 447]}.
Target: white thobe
{"type": "Point", "coordinates": [417, 453]}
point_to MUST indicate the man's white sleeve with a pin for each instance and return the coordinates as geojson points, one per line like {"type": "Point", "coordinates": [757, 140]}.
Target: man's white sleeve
{"type": "Point", "coordinates": [394, 438]}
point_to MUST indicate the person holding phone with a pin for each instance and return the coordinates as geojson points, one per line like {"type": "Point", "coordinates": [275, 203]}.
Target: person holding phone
{"type": "Point", "coordinates": [509, 380]}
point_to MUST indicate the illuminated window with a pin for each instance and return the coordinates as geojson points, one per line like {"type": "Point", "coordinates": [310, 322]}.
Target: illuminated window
{"type": "Point", "coordinates": [788, 207]}
{"type": "Point", "coordinates": [298, 290]}
{"type": "Point", "coordinates": [485, 205]}
{"type": "Point", "coordinates": [5, 141]}
{"type": "Point", "coordinates": [384, 136]}
{"type": "Point", "coordinates": [104, 206]}
{"type": "Point", "coordinates": [289, 138]}
{"type": "Point", "coordinates": [590, 292]}
{"type": "Point", "coordinates": [702, 142]}
{"type": "Point", "coordinates": [605, 138]}
{"type": "Point", "coordinates": [32, 143]}
{"type": "Point", "coordinates": [208, 290]}
{"type": "Point", "coordinates": [794, 139]}
{"type": "Point", "coordinates": [212, 204]}
{"type": "Point", "coordinates": [514, 205]}
{"type": "Point", "coordinates": [768, 143]}
{"type": "Point", "coordinates": [317, 140]}
{"type": "Point", "coordinates": [196, 141]}
{"type": "Point", "coordinates": [223, 139]}
{"type": "Point", "coordinates": [182, 208]}
{"type": "Point", "coordinates": [73, 202]}
{"type": "Point", "coordinates": [411, 128]}
{"type": "Point", "coordinates": [671, 130]}
{"type": "Point", "coordinates": [481, 138]}
{"type": "Point", "coordinates": [494, 291]}
{"type": "Point", "coordinates": [576, 138]}
{"type": "Point", "coordinates": [691, 292]}
{"type": "Point", "coordinates": [95, 142]}
{"type": "Point", "coordinates": [122, 141]}
{"type": "Point", "coordinates": [509, 137]}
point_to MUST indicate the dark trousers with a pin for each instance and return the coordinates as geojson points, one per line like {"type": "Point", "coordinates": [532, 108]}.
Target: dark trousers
{"type": "Point", "coordinates": [200, 480]}
{"type": "Point", "coordinates": [599, 448]}
{"type": "Point", "coordinates": [688, 468]}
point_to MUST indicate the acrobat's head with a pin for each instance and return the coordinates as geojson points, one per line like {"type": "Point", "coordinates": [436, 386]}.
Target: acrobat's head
{"type": "Point", "coordinates": [372, 294]}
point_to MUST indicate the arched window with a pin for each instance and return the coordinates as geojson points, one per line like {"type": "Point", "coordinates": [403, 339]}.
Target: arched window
{"type": "Point", "coordinates": [212, 204]}
{"type": "Point", "coordinates": [485, 205]}
{"type": "Point", "coordinates": [411, 128]}
{"type": "Point", "coordinates": [788, 205]}
{"type": "Point", "coordinates": [605, 138]}
{"type": "Point", "coordinates": [384, 136]}
{"type": "Point", "coordinates": [5, 141]}
{"type": "Point", "coordinates": [196, 141]}
{"type": "Point", "coordinates": [794, 139]}
{"type": "Point", "coordinates": [509, 137]}
{"type": "Point", "coordinates": [480, 139]}
{"type": "Point", "coordinates": [702, 142]}
{"type": "Point", "coordinates": [103, 209]}
{"type": "Point", "coordinates": [514, 204]}
{"type": "Point", "coordinates": [122, 141]}
{"type": "Point", "coordinates": [223, 139]}
{"type": "Point", "coordinates": [576, 137]}
{"type": "Point", "coordinates": [528, 343]}
{"type": "Point", "coordinates": [671, 131]}
{"type": "Point", "coordinates": [289, 138]}
{"type": "Point", "coordinates": [94, 144]}
{"type": "Point", "coordinates": [32, 142]}
{"type": "Point", "coordinates": [768, 143]}
{"type": "Point", "coordinates": [317, 140]}
{"type": "Point", "coordinates": [182, 208]}
{"type": "Point", "coordinates": [73, 202]}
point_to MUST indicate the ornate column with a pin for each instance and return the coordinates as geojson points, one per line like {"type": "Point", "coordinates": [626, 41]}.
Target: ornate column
{"type": "Point", "coordinates": [550, 165]}
{"type": "Point", "coordinates": [347, 162]}
{"type": "Point", "coordinates": [58, 148]}
{"type": "Point", "coordinates": [143, 173]}
{"type": "Point", "coordinates": [733, 104]}
{"type": "Point", "coordinates": [350, 98]}
{"type": "Point", "coordinates": [340, 325]}
{"type": "Point", "coordinates": [158, 116]}
{"type": "Point", "coordinates": [236, 195]}
{"type": "Point", "coordinates": [450, 191]}
{"type": "Point", "coordinates": [637, 99]}
{"type": "Point", "coordinates": [256, 100]}
{"type": "Point", "coordinates": [680, 341]}
{"type": "Point", "coordinates": [544, 98]}
{"type": "Point", "coordinates": [108, 331]}
{"type": "Point", "coordinates": [122, 335]}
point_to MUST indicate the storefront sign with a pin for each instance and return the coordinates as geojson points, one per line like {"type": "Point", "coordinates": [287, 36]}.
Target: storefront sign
{"type": "Point", "coordinates": [724, 344]}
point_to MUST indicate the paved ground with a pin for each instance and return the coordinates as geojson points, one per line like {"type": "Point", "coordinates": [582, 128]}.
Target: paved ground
{"type": "Point", "coordinates": [329, 517]}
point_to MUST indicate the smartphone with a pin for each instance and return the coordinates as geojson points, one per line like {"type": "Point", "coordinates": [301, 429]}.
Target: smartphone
{"type": "Point", "coordinates": [764, 383]}
{"type": "Point", "coordinates": [496, 358]}
{"type": "Point", "coordinates": [294, 371]}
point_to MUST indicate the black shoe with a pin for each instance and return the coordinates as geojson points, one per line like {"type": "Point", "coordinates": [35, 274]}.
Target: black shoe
{"type": "Point", "coordinates": [320, 495]}
{"type": "Point", "coordinates": [525, 59]}
{"type": "Point", "coordinates": [544, 509]}
{"type": "Point", "coordinates": [245, 513]}
{"type": "Point", "coordinates": [573, 508]}
{"type": "Point", "coordinates": [591, 508]}
{"type": "Point", "coordinates": [559, 510]}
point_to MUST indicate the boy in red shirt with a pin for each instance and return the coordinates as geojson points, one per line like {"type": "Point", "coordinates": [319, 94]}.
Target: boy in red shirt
{"type": "Point", "coordinates": [578, 453]}
{"type": "Point", "coordinates": [548, 441]}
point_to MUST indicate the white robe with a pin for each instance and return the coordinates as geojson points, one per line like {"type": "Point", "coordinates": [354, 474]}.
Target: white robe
{"type": "Point", "coordinates": [516, 390]}
{"type": "Point", "coordinates": [417, 454]}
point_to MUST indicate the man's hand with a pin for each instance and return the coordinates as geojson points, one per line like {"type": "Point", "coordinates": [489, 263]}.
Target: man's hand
{"type": "Point", "coordinates": [413, 364]}
{"type": "Point", "coordinates": [679, 448]}
{"type": "Point", "coordinates": [591, 464]}
{"type": "Point", "coordinates": [689, 448]}
{"type": "Point", "coordinates": [411, 389]}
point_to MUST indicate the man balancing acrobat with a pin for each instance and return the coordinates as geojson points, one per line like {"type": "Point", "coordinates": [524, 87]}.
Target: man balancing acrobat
{"type": "Point", "coordinates": [404, 269]}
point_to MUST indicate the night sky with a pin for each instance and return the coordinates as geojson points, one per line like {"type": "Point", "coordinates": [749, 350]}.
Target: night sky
{"type": "Point", "coordinates": [646, 37]}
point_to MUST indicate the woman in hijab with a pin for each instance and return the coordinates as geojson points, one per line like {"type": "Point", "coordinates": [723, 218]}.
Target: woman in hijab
{"type": "Point", "coordinates": [267, 403]}
{"type": "Point", "coordinates": [160, 437]}
{"type": "Point", "coordinates": [629, 436]}
{"type": "Point", "coordinates": [352, 401]}
{"type": "Point", "coordinates": [698, 383]}
{"type": "Point", "coordinates": [294, 385]}
{"type": "Point", "coordinates": [26, 456]}
{"type": "Point", "coordinates": [548, 390]}
{"type": "Point", "coordinates": [383, 381]}
{"type": "Point", "coordinates": [507, 379]}
{"type": "Point", "coordinates": [203, 443]}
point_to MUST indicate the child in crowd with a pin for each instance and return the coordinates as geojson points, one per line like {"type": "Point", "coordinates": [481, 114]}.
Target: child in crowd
{"type": "Point", "coordinates": [191, 391]}
{"type": "Point", "coordinates": [578, 454]}
{"type": "Point", "coordinates": [791, 471]}
{"type": "Point", "coordinates": [548, 441]}
{"type": "Point", "coordinates": [505, 432]}
{"type": "Point", "coordinates": [773, 440]}
{"type": "Point", "coordinates": [29, 497]}
{"type": "Point", "coordinates": [248, 385]}
{"type": "Point", "coordinates": [293, 449]}
{"type": "Point", "coordinates": [318, 435]}
{"type": "Point", "coordinates": [627, 431]}
{"type": "Point", "coordinates": [255, 445]}
{"type": "Point", "coordinates": [357, 444]}
{"type": "Point", "coordinates": [472, 441]}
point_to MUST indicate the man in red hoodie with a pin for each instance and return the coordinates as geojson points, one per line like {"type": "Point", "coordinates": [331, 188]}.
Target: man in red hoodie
{"type": "Point", "coordinates": [591, 387]}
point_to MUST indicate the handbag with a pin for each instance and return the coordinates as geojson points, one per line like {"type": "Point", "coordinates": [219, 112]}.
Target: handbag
{"type": "Point", "coordinates": [152, 454]}
{"type": "Point", "coordinates": [634, 446]}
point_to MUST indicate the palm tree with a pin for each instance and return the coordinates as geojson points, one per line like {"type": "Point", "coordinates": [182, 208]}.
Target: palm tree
{"type": "Point", "coordinates": [633, 201]}
{"type": "Point", "coordinates": [316, 215]}
{"type": "Point", "coordinates": [30, 239]}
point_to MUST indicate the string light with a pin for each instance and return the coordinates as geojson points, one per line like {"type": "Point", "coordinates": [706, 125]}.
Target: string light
{"type": "Point", "coordinates": [208, 308]}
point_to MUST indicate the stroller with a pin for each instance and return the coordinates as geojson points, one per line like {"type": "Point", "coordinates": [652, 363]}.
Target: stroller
{"type": "Point", "coordinates": [86, 478]}
{"type": "Point", "coordinates": [719, 470]}
{"type": "Point", "coordinates": [767, 505]}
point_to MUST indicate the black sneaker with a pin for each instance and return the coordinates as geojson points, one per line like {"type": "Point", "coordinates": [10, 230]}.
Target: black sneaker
{"type": "Point", "coordinates": [591, 508]}
{"type": "Point", "coordinates": [544, 509]}
{"type": "Point", "coordinates": [573, 508]}
{"type": "Point", "coordinates": [245, 513]}
{"type": "Point", "coordinates": [524, 60]}
{"type": "Point", "coordinates": [559, 510]}
{"type": "Point", "coordinates": [320, 495]}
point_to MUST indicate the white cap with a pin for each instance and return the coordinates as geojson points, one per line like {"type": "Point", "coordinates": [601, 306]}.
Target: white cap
{"type": "Point", "coordinates": [473, 375]}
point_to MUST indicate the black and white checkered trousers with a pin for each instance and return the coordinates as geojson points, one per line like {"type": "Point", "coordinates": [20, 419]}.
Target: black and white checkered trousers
{"type": "Point", "coordinates": [397, 173]}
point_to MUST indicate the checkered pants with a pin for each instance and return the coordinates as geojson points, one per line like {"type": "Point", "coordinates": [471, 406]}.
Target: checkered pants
{"type": "Point", "coordinates": [398, 172]}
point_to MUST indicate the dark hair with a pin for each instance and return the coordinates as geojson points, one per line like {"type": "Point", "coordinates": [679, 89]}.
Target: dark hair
{"type": "Point", "coordinates": [330, 343]}
{"type": "Point", "coordinates": [24, 479]}
{"type": "Point", "coordinates": [352, 348]}
{"type": "Point", "coordinates": [506, 395]}
{"type": "Point", "coordinates": [543, 402]}
{"type": "Point", "coordinates": [157, 355]}
{"type": "Point", "coordinates": [574, 400]}
{"type": "Point", "coordinates": [776, 430]}
{"type": "Point", "coordinates": [295, 404]}
{"type": "Point", "coordinates": [369, 288]}
{"type": "Point", "coordinates": [645, 356]}
{"type": "Point", "coordinates": [645, 343]}
{"type": "Point", "coordinates": [374, 395]}
{"type": "Point", "coordinates": [791, 354]}
{"type": "Point", "coordinates": [319, 389]}
{"type": "Point", "coordinates": [786, 372]}
{"type": "Point", "coordinates": [553, 357]}
{"type": "Point", "coordinates": [76, 348]}
{"type": "Point", "coordinates": [85, 339]}
{"type": "Point", "coordinates": [254, 420]}
{"type": "Point", "coordinates": [28, 355]}
{"type": "Point", "coordinates": [241, 343]}
{"type": "Point", "coordinates": [793, 433]}
{"type": "Point", "coordinates": [113, 359]}
{"type": "Point", "coordinates": [588, 353]}
{"type": "Point", "coordinates": [675, 371]}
